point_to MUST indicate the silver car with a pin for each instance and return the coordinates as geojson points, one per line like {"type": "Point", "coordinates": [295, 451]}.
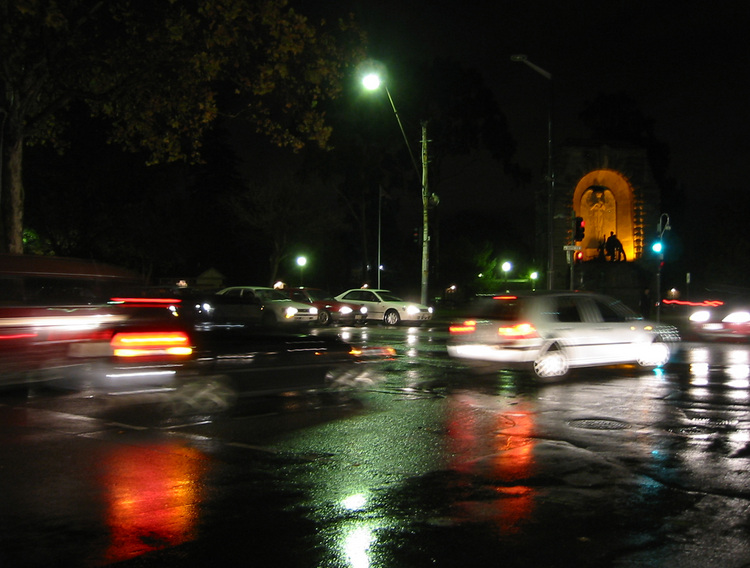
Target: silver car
{"type": "Point", "coordinates": [551, 332]}
{"type": "Point", "coordinates": [384, 306]}
{"type": "Point", "coordinates": [275, 306]}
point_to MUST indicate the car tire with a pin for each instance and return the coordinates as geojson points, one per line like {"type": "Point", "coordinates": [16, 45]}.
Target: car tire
{"type": "Point", "coordinates": [391, 317]}
{"type": "Point", "coordinates": [551, 363]}
{"type": "Point", "coordinates": [655, 355]}
{"type": "Point", "coordinates": [324, 317]}
{"type": "Point", "coordinates": [208, 395]}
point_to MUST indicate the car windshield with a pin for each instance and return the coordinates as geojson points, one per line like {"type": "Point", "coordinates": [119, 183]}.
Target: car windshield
{"type": "Point", "coordinates": [506, 308]}
{"type": "Point", "coordinates": [271, 295]}
{"type": "Point", "coordinates": [615, 310]}
{"type": "Point", "coordinates": [388, 297]}
{"type": "Point", "coordinates": [319, 295]}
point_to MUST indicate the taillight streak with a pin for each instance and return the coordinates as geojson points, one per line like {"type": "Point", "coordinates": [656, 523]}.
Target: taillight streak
{"type": "Point", "coordinates": [138, 344]}
{"type": "Point", "coordinates": [518, 331]}
{"type": "Point", "coordinates": [469, 326]}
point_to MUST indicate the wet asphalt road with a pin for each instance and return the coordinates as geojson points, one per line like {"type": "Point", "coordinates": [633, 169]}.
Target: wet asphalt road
{"type": "Point", "coordinates": [423, 464]}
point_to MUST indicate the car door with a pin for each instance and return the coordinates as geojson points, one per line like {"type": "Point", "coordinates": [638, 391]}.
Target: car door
{"type": "Point", "coordinates": [570, 326]}
{"type": "Point", "coordinates": [375, 308]}
{"type": "Point", "coordinates": [620, 339]}
{"type": "Point", "coordinates": [368, 299]}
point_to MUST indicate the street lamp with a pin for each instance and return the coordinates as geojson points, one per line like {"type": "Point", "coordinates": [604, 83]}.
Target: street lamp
{"type": "Point", "coordinates": [534, 275]}
{"type": "Point", "coordinates": [372, 82]}
{"type": "Point", "coordinates": [550, 171]}
{"type": "Point", "coordinates": [301, 262]}
{"type": "Point", "coordinates": [506, 267]}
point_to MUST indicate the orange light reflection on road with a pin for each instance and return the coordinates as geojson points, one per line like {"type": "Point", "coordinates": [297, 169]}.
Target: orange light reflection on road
{"type": "Point", "coordinates": [153, 497]}
{"type": "Point", "coordinates": [497, 446]}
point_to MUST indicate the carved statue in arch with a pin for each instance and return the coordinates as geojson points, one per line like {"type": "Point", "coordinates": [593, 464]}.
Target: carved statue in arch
{"type": "Point", "coordinates": [599, 212]}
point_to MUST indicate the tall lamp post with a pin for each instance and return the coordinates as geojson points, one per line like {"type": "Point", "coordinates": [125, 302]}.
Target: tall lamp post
{"type": "Point", "coordinates": [372, 82]}
{"type": "Point", "coordinates": [550, 171]}
{"type": "Point", "coordinates": [658, 247]}
{"type": "Point", "coordinates": [301, 262]}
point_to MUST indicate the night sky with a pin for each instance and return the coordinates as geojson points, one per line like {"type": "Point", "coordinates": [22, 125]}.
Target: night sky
{"type": "Point", "coordinates": [686, 64]}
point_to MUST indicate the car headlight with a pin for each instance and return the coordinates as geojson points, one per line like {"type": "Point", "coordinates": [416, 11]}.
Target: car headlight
{"type": "Point", "coordinates": [290, 312]}
{"type": "Point", "coordinates": [737, 317]}
{"type": "Point", "coordinates": [363, 310]}
{"type": "Point", "coordinates": [412, 310]}
{"type": "Point", "coordinates": [700, 316]}
{"type": "Point", "coordinates": [345, 310]}
{"type": "Point", "coordinates": [314, 310]}
{"type": "Point", "coordinates": [429, 309]}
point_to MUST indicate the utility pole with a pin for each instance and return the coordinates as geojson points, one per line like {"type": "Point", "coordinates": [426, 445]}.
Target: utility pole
{"type": "Point", "coordinates": [425, 220]}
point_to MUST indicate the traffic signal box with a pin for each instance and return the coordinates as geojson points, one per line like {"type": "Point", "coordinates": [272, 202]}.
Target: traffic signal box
{"type": "Point", "coordinates": [579, 229]}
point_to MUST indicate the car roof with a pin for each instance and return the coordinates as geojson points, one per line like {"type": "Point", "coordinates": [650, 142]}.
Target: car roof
{"type": "Point", "coordinates": [62, 267]}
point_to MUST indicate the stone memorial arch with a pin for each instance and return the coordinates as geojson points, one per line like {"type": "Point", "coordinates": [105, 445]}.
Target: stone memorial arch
{"type": "Point", "coordinates": [613, 190]}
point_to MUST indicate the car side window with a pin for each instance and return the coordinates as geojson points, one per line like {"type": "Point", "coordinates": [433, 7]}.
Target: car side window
{"type": "Point", "coordinates": [567, 310]}
{"type": "Point", "coordinates": [234, 293]}
{"type": "Point", "coordinates": [608, 313]}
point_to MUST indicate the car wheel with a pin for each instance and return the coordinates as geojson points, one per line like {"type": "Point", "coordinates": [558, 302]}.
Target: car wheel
{"type": "Point", "coordinates": [655, 354]}
{"type": "Point", "coordinates": [324, 317]}
{"type": "Point", "coordinates": [551, 363]}
{"type": "Point", "coordinates": [391, 317]}
{"type": "Point", "coordinates": [208, 395]}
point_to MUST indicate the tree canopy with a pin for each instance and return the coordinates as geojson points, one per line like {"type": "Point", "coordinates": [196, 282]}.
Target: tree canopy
{"type": "Point", "coordinates": [161, 72]}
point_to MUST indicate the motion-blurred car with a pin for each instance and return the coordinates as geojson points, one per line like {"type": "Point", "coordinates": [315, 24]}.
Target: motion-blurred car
{"type": "Point", "coordinates": [277, 308]}
{"type": "Point", "coordinates": [87, 326]}
{"type": "Point", "coordinates": [722, 320]}
{"type": "Point", "coordinates": [383, 305]}
{"type": "Point", "coordinates": [330, 310]}
{"type": "Point", "coordinates": [551, 332]}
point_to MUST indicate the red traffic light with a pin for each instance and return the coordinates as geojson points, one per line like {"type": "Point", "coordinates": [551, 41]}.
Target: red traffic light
{"type": "Point", "coordinates": [579, 229]}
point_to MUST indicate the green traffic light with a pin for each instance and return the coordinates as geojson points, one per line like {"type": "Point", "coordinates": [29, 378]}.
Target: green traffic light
{"type": "Point", "coordinates": [657, 247]}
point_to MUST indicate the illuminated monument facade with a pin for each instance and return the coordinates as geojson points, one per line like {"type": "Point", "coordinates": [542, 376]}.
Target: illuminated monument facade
{"type": "Point", "coordinates": [613, 190]}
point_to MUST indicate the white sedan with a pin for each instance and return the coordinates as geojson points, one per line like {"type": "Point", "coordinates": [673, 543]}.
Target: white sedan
{"type": "Point", "coordinates": [551, 332]}
{"type": "Point", "coordinates": [382, 305]}
{"type": "Point", "coordinates": [276, 306]}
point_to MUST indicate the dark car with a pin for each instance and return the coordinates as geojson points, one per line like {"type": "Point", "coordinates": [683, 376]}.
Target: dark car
{"type": "Point", "coordinates": [722, 320]}
{"type": "Point", "coordinates": [84, 325]}
{"type": "Point", "coordinates": [330, 310]}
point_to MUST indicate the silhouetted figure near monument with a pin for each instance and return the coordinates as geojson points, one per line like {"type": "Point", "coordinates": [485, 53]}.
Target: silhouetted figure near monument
{"type": "Point", "coordinates": [614, 248]}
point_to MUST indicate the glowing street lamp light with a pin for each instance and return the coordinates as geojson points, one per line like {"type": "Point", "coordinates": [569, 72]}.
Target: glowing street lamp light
{"type": "Point", "coordinates": [506, 267]}
{"type": "Point", "coordinates": [372, 81]}
{"type": "Point", "coordinates": [301, 262]}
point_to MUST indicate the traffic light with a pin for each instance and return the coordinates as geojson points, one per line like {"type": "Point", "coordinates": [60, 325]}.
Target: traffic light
{"type": "Point", "coordinates": [657, 247]}
{"type": "Point", "coordinates": [579, 229]}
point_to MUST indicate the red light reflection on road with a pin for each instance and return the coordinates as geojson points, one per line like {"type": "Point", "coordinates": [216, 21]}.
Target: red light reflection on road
{"type": "Point", "coordinates": [498, 446]}
{"type": "Point", "coordinates": [153, 497]}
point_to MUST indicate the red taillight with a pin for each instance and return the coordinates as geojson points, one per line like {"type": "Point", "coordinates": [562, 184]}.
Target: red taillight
{"type": "Point", "coordinates": [145, 300]}
{"type": "Point", "coordinates": [139, 344]}
{"type": "Point", "coordinates": [469, 326]}
{"type": "Point", "coordinates": [518, 331]}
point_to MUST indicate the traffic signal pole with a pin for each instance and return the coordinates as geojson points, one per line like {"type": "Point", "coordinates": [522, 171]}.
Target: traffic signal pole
{"type": "Point", "coordinates": [579, 231]}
